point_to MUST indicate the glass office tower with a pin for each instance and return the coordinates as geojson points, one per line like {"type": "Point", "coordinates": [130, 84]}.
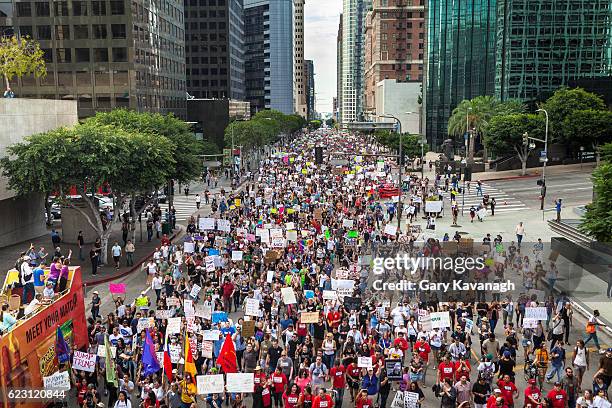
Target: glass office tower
{"type": "Point", "coordinates": [460, 58]}
{"type": "Point", "coordinates": [543, 44]}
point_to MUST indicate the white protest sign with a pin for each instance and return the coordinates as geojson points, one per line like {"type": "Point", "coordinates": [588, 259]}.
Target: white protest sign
{"type": "Point", "coordinates": [530, 323]}
{"type": "Point", "coordinates": [224, 225]}
{"type": "Point", "coordinates": [290, 225]}
{"type": "Point", "coordinates": [237, 256]}
{"type": "Point", "coordinates": [348, 223]}
{"type": "Point", "coordinates": [143, 323]}
{"type": "Point", "coordinates": [269, 276]}
{"type": "Point", "coordinates": [252, 307]}
{"type": "Point", "coordinates": [288, 296]}
{"type": "Point", "coordinates": [398, 400]}
{"type": "Point", "coordinates": [210, 384]}
{"type": "Point", "coordinates": [440, 320]}
{"type": "Point", "coordinates": [433, 206]}
{"type": "Point", "coordinates": [411, 399]}
{"type": "Point", "coordinates": [175, 353]}
{"type": "Point", "coordinates": [207, 223]}
{"type": "Point", "coordinates": [172, 301]}
{"type": "Point", "coordinates": [189, 247]}
{"type": "Point", "coordinates": [292, 235]}
{"type": "Point", "coordinates": [194, 291]}
{"type": "Point", "coordinates": [102, 351]}
{"type": "Point", "coordinates": [390, 229]}
{"type": "Point", "coordinates": [203, 311]}
{"type": "Point", "coordinates": [84, 361]}
{"type": "Point", "coordinates": [536, 313]}
{"type": "Point", "coordinates": [210, 263]}
{"type": "Point", "coordinates": [57, 381]}
{"type": "Point", "coordinates": [469, 323]}
{"type": "Point", "coordinates": [188, 307]}
{"type": "Point", "coordinates": [364, 362]}
{"type": "Point", "coordinates": [163, 314]}
{"type": "Point", "coordinates": [211, 335]}
{"type": "Point", "coordinates": [330, 295]}
{"type": "Point", "coordinates": [276, 233]}
{"type": "Point", "coordinates": [174, 325]}
{"type": "Point", "coordinates": [278, 242]}
{"type": "Point", "coordinates": [207, 349]}
{"type": "Point", "coordinates": [240, 382]}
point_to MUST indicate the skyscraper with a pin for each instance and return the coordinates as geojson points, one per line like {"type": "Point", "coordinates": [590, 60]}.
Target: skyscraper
{"type": "Point", "coordinates": [460, 58]}
{"type": "Point", "coordinates": [214, 48]}
{"type": "Point", "coordinates": [309, 80]}
{"type": "Point", "coordinates": [543, 44]}
{"type": "Point", "coordinates": [269, 54]}
{"type": "Point", "coordinates": [299, 85]}
{"type": "Point", "coordinates": [339, 64]}
{"type": "Point", "coordinates": [353, 26]}
{"type": "Point", "coordinates": [105, 54]}
{"type": "Point", "coordinates": [394, 45]}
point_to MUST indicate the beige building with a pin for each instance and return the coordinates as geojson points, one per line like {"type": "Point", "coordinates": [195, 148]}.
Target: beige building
{"type": "Point", "coordinates": [299, 85]}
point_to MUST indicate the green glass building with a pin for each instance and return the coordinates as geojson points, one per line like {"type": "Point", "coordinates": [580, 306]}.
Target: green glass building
{"type": "Point", "coordinates": [460, 58]}
{"type": "Point", "coordinates": [543, 44]}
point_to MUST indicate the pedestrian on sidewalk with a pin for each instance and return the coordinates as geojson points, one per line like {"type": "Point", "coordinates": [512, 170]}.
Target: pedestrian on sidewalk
{"type": "Point", "coordinates": [198, 200]}
{"type": "Point", "coordinates": [116, 250]}
{"type": "Point", "coordinates": [95, 305]}
{"type": "Point", "coordinates": [478, 188]}
{"type": "Point", "coordinates": [81, 243]}
{"type": "Point", "coordinates": [558, 209]}
{"type": "Point", "coordinates": [94, 257]}
{"type": "Point", "coordinates": [130, 248]}
{"type": "Point", "coordinates": [520, 232]}
{"type": "Point", "coordinates": [591, 329]}
{"type": "Point", "coordinates": [187, 190]}
{"type": "Point", "coordinates": [492, 204]}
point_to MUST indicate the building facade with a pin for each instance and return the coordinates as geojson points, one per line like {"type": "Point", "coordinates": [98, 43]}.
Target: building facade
{"type": "Point", "coordinates": [309, 79]}
{"type": "Point", "coordinates": [460, 58]}
{"type": "Point", "coordinates": [544, 44]}
{"type": "Point", "coordinates": [338, 110]}
{"type": "Point", "coordinates": [353, 27]}
{"type": "Point", "coordinates": [214, 48]}
{"type": "Point", "coordinates": [401, 100]}
{"type": "Point", "coordinates": [299, 82]}
{"type": "Point", "coordinates": [394, 46]}
{"type": "Point", "coordinates": [269, 54]}
{"type": "Point", "coordinates": [106, 54]}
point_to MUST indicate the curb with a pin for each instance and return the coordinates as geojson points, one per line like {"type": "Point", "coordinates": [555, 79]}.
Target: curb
{"type": "Point", "coordinates": [508, 178]}
{"type": "Point", "coordinates": [132, 269]}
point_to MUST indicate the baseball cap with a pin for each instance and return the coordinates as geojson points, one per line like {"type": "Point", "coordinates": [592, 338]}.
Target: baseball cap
{"type": "Point", "coordinates": [497, 390]}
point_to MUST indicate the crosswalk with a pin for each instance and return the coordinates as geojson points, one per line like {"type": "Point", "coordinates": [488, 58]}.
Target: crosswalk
{"type": "Point", "coordinates": [505, 202]}
{"type": "Point", "coordinates": [185, 206]}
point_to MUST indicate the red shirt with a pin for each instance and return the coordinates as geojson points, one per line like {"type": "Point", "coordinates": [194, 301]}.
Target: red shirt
{"type": "Point", "coordinates": [302, 329]}
{"type": "Point", "coordinates": [446, 371]}
{"type": "Point", "coordinates": [337, 375]}
{"type": "Point", "coordinates": [325, 402]}
{"type": "Point", "coordinates": [259, 380]}
{"type": "Point", "coordinates": [290, 400]}
{"type": "Point", "coordinates": [463, 371]}
{"type": "Point", "coordinates": [558, 398]}
{"type": "Point", "coordinates": [491, 402]}
{"type": "Point", "coordinates": [333, 318]}
{"type": "Point", "coordinates": [423, 348]}
{"type": "Point", "coordinates": [279, 381]}
{"type": "Point", "coordinates": [353, 370]}
{"type": "Point", "coordinates": [267, 398]}
{"type": "Point", "coordinates": [507, 391]}
{"type": "Point", "coordinates": [228, 288]}
{"type": "Point", "coordinates": [535, 393]}
{"type": "Point", "coordinates": [363, 403]}
{"type": "Point", "coordinates": [401, 343]}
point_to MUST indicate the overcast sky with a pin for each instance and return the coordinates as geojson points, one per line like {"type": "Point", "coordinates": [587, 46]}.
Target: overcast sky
{"type": "Point", "coordinates": [321, 19]}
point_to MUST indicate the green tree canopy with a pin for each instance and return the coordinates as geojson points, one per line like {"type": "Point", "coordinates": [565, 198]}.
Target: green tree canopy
{"type": "Point", "coordinates": [19, 57]}
{"type": "Point", "coordinates": [263, 128]}
{"type": "Point", "coordinates": [589, 128]}
{"type": "Point", "coordinates": [478, 112]}
{"type": "Point", "coordinates": [411, 146]}
{"type": "Point", "coordinates": [563, 103]}
{"type": "Point", "coordinates": [598, 218]}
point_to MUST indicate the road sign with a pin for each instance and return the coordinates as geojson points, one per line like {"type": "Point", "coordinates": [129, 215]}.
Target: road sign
{"type": "Point", "coordinates": [543, 153]}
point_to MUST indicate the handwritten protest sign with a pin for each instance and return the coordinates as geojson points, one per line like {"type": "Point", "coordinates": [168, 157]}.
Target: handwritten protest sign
{"type": "Point", "coordinates": [57, 381]}
{"type": "Point", "coordinates": [440, 320]}
{"type": "Point", "coordinates": [102, 351]}
{"type": "Point", "coordinates": [309, 317]}
{"type": "Point", "coordinates": [288, 296]}
{"type": "Point", "coordinates": [207, 224]}
{"type": "Point", "coordinates": [240, 382]}
{"type": "Point", "coordinates": [364, 362]}
{"type": "Point", "coordinates": [210, 384]}
{"type": "Point", "coordinates": [84, 361]}
{"type": "Point", "coordinates": [252, 307]}
{"type": "Point", "coordinates": [536, 313]}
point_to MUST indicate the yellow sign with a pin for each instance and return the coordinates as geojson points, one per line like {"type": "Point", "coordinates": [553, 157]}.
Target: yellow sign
{"type": "Point", "coordinates": [273, 210]}
{"type": "Point", "coordinates": [290, 210]}
{"type": "Point", "coordinates": [237, 202]}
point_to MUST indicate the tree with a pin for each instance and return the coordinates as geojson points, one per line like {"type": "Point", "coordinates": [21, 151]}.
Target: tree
{"type": "Point", "coordinates": [315, 124]}
{"type": "Point", "coordinates": [597, 220]}
{"type": "Point", "coordinates": [505, 134]}
{"type": "Point", "coordinates": [19, 57]}
{"type": "Point", "coordinates": [411, 146]}
{"type": "Point", "coordinates": [330, 122]}
{"type": "Point", "coordinates": [564, 102]}
{"type": "Point", "coordinates": [86, 157]}
{"type": "Point", "coordinates": [605, 152]}
{"type": "Point", "coordinates": [589, 128]}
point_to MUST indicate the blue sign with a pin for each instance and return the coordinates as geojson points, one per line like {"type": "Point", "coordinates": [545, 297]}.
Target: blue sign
{"type": "Point", "coordinates": [543, 153]}
{"type": "Point", "coordinates": [219, 317]}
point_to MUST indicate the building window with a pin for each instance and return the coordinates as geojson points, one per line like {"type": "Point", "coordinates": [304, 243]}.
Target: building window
{"type": "Point", "coordinates": [81, 32]}
{"type": "Point", "coordinates": [99, 31]}
{"type": "Point", "coordinates": [43, 32]}
{"type": "Point", "coordinates": [65, 79]}
{"type": "Point", "coordinates": [62, 32]}
{"type": "Point", "coordinates": [120, 78]}
{"type": "Point", "coordinates": [25, 31]}
{"type": "Point", "coordinates": [47, 54]}
{"type": "Point", "coordinates": [63, 55]}
{"type": "Point", "coordinates": [24, 9]}
{"type": "Point", "coordinates": [83, 78]}
{"type": "Point", "coordinates": [100, 54]}
{"type": "Point", "coordinates": [79, 8]}
{"type": "Point", "coordinates": [119, 54]}
{"type": "Point", "coordinates": [117, 8]}
{"type": "Point", "coordinates": [61, 8]}
{"type": "Point", "coordinates": [81, 54]}
{"type": "Point", "coordinates": [118, 30]}
{"type": "Point", "coordinates": [98, 8]}
{"type": "Point", "coordinates": [42, 9]}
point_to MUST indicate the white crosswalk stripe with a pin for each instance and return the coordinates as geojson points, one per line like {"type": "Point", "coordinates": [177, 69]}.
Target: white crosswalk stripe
{"type": "Point", "coordinates": [184, 206]}
{"type": "Point", "coordinates": [505, 201]}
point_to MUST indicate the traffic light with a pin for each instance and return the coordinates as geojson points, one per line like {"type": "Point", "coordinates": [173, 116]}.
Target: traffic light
{"type": "Point", "coordinates": [525, 139]}
{"type": "Point", "coordinates": [318, 155]}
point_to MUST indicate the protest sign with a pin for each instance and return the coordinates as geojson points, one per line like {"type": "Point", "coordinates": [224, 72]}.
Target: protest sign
{"type": "Point", "coordinates": [292, 235]}
{"type": "Point", "coordinates": [143, 323]}
{"type": "Point", "coordinates": [211, 335]}
{"type": "Point", "coordinates": [440, 320]}
{"type": "Point", "coordinates": [174, 325]}
{"type": "Point", "coordinates": [175, 353]}
{"type": "Point", "coordinates": [210, 384]}
{"type": "Point", "coordinates": [290, 226]}
{"type": "Point", "coordinates": [207, 224]}
{"type": "Point", "coordinates": [210, 263]}
{"type": "Point", "coordinates": [433, 206]}
{"type": "Point", "coordinates": [84, 361]}
{"type": "Point", "coordinates": [309, 317]}
{"type": "Point", "coordinates": [398, 400]}
{"type": "Point", "coordinates": [240, 382]}
{"type": "Point", "coordinates": [252, 307]}
{"type": "Point", "coordinates": [530, 323]}
{"type": "Point", "coordinates": [189, 247]}
{"type": "Point", "coordinates": [224, 225]}
{"type": "Point", "coordinates": [269, 276]}
{"type": "Point", "coordinates": [425, 320]}
{"type": "Point", "coordinates": [390, 229]}
{"type": "Point", "coordinates": [207, 349]}
{"type": "Point", "coordinates": [469, 323]}
{"type": "Point", "coordinates": [278, 242]}
{"type": "Point", "coordinates": [411, 399]}
{"type": "Point", "coordinates": [248, 328]}
{"type": "Point", "coordinates": [348, 223]}
{"type": "Point", "coordinates": [364, 362]}
{"type": "Point", "coordinates": [352, 303]}
{"type": "Point", "coordinates": [194, 291]}
{"type": "Point", "coordinates": [116, 288]}
{"type": "Point", "coordinates": [163, 314]}
{"type": "Point", "coordinates": [237, 256]}
{"type": "Point", "coordinates": [218, 317]}
{"type": "Point", "coordinates": [330, 295]}
{"type": "Point", "coordinates": [203, 311]}
{"type": "Point", "coordinates": [188, 308]}
{"type": "Point", "coordinates": [102, 351]}
{"type": "Point", "coordinates": [394, 369]}
{"type": "Point", "coordinates": [288, 296]}
{"type": "Point", "coordinates": [57, 381]}
{"type": "Point", "coordinates": [172, 301]}
{"type": "Point", "coordinates": [536, 313]}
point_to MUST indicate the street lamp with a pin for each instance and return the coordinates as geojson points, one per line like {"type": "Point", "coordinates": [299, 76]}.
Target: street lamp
{"type": "Point", "coordinates": [399, 202]}
{"type": "Point", "coordinates": [467, 131]}
{"type": "Point", "coordinates": [545, 156]}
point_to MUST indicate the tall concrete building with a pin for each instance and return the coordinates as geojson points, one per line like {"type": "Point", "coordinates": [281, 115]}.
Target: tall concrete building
{"type": "Point", "coordinates": [543, 44]}
{"type": "Point", "coordinates": [460, 58]}
{"type": "Point", "coordinates": [338, 110]}
{"type": "Point", "coordinates": [353, 27]}
{"type": "Point", "coordinates": [269, 54]}
{"type": "Point", "coordinates": [309, 80]}
{"type": "Point", "coordinates": [214, 48]}
{"type": "Point", "coordinates": [105, 54]}
{"type": "Point", "coordinates": [299, 85]}
{"type": "Point", "coordinates": [394, 46]}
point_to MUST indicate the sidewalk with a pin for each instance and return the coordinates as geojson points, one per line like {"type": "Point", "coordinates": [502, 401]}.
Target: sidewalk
{"type": "Point", "coordinates": [533, 172]}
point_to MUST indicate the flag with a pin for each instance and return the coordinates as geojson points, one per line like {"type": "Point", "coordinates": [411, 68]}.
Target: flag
{"type": "Point", "coordinates": [168, 363]}
{"type": "Point", "coordinates": [227, 356]}
{"type": "Point", "coordinates": [189, 363]}
{"type": "Point", "coordinates": [111, 372]}
{"type": "Point", "coordinates": [149, 358]}
{"type": "Point", "coordinates": [61, 347]}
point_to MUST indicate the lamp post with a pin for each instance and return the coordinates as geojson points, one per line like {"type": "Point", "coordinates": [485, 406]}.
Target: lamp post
{"type": "Point", "coordinates": [399, 202]}
{"type": "Point", "coordinates": [545, 157]}
{"type": "Point", "coordinates": [467, 133]}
